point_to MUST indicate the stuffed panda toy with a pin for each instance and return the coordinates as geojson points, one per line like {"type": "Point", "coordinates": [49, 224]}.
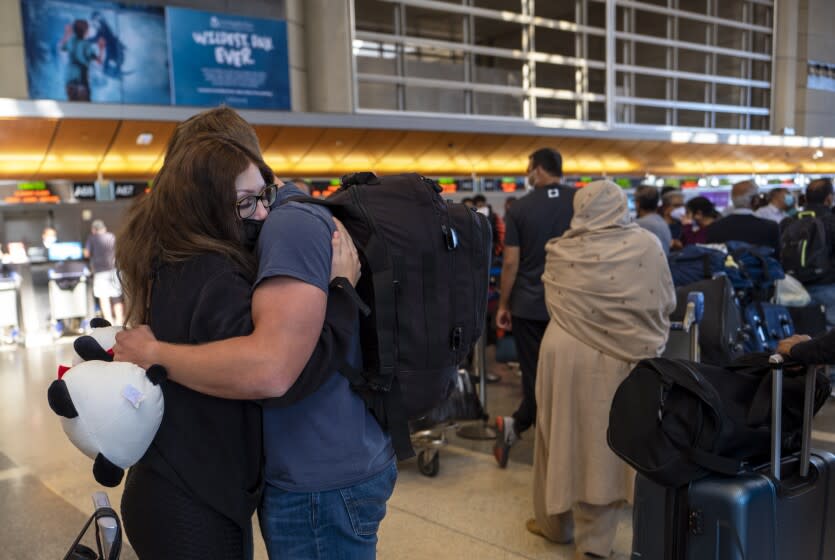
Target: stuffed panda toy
{"type": "Point", "coordinates": [109, 410]}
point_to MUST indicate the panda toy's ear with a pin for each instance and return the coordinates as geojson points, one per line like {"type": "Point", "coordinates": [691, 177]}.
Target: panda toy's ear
{"type": "Point", "coordinates": [156, 374]}
{"type": "Point", "coordinates": [99, 323]}
{"type": "Point", "coordinates": [89, 349]}
{"type": "Point", "coordinates": [60, 401]}
{"type": "Point", "coordinates": [106, 473]}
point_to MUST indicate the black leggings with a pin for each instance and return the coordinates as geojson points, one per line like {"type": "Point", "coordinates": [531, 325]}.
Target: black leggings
{"type": "Point", "coordinates": [162, 521]}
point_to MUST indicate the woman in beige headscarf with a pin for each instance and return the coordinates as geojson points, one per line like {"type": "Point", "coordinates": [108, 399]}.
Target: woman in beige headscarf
{"type": "Point", "coordinates": [609, 294]}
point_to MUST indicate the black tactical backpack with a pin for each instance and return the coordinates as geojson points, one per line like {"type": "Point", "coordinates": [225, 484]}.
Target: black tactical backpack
{"type": "Point", "coordinates": [804, 249]}
{"type": "Point", "coordinates": [425, 271]}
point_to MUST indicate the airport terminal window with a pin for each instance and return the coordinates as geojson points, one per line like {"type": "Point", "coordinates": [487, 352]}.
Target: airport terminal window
{"type": "Point", "coordinates": [679, 63]}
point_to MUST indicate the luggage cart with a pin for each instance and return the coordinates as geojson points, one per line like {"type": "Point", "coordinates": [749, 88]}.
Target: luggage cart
{"type": "Point", "coordinates": [430, 436]}
{"type": "Point", "coordinates": [69, 297]}
{"type": "Point", "coordinates": [10, 309]}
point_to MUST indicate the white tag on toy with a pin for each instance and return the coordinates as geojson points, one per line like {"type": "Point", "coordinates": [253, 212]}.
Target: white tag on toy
{"type": "Point", "coordinates": [133, 395]}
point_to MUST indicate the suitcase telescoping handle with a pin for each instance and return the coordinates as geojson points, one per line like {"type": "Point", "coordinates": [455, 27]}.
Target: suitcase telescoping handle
{"type": "Point", "coordinates": [693, 314]}
{"type": "Point", "coordinates": [776, 362]}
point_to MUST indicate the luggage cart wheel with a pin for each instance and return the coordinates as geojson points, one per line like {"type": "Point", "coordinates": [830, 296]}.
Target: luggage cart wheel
{"type": "Point", "coordinates": [429, 463]}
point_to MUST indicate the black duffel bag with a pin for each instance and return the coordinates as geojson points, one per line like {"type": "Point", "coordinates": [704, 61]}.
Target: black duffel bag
{"type": "Point", "coordinates": [675, 421]}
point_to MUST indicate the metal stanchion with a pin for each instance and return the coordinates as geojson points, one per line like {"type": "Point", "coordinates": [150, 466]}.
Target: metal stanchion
{"type": "Point", "coordinates": [479, 430]}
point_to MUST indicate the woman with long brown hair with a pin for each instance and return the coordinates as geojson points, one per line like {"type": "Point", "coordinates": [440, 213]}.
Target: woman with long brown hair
{"type": "Point", "coordinates": [187, 267]}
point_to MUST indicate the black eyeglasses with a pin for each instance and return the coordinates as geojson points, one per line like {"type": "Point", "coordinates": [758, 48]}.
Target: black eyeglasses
{"type": "Point", "coordinates": [247, 205]}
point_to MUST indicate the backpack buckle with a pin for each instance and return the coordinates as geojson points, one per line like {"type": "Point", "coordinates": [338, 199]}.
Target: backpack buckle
{"type": "Point", "coordinates": [450, 237]}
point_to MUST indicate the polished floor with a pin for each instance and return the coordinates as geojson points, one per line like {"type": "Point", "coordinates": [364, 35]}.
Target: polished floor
{"type": "Point", "coordinates": [471, 509]}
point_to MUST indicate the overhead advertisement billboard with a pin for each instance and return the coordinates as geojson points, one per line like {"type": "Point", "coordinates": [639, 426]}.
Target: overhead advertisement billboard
{"type": "Point", "coordinates": [221, 58]}
{"type": "Point", "coordinates": [86, 50]}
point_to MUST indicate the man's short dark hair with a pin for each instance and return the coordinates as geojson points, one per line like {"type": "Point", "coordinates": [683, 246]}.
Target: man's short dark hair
{"type": "Point", "coordinates": [549, 160]}
{"type": "Point", "coordinates": [668, 188]}
{"type": "Point", "coordinates": [479, 199]}
{"type": "Point", "coordinates": [467, 199]}
{"type": "Point", "coordinates": [818, 190]}
{"type": "Point", "coordinates": [646, 198]}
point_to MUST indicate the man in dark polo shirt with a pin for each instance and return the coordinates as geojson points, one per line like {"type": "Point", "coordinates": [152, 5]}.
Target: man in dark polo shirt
{"type": "Point", "coordinates": [540, 215]}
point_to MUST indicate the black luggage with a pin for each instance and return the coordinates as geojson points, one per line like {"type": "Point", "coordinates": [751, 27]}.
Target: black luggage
{"type": "Point", "coordinates": [810, 319]}
{"type": "Point", "coordinates": [781, 510]}
{"type": "Point", "coordinates": [722, 333]}
{"type": "Point", "coordinates": [425, 271]}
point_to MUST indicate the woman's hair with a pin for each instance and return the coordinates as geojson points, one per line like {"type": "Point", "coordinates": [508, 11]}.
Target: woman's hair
{"type": "Point", "coordinates": [190, 211]}
{"type": "Point", "coordinates": [703, 205]}
{"type": "Point", "coordinates": [220, 120]}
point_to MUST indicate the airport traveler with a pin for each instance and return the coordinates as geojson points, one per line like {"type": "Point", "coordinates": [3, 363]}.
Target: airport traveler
{"type": "Point", "coordinates": [701, 213]}
{"type": "Point", "coordinates": [100, 249]}
{"type": "Point", "coordinates": [820, 199]}
{"type": "Point", "coordinates": [780, 201]}
{"type": "Point", "coordinates": [326, 457]}
{"type": "Point", "coordinates": [496, 223]}
{"type": "Point", "coordinates": [609, 294]}
{"type": "Point", "coordinates": [742, 224]}
{"type": "Point", "coordinates": [812, 351]}
{"type": "Point", "coordinates": [194, 492]}
{"type": "Point", "coordinates": [646, 204]}
{"type": "Point", "coordinates": [673, 211]}
{"type": "Point", "coordinates": [542, 214]}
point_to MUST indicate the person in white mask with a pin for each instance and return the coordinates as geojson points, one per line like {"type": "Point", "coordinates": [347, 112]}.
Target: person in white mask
{"type": "Point", "coordinates": [674, 213]}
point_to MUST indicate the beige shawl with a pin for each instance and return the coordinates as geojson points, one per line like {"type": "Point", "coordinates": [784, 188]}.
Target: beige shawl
{"type": "Point", "coordinates": [607, 281]}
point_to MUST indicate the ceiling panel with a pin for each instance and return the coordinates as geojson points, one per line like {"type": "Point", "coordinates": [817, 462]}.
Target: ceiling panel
{"type": "Point", "coordinates": [476, 152]}
{"type": "Point", "coordinates": [441, 156]}
{"type": "Point", "coordinates": [80, 148]}
{"type": "Point", "coordinates": [125, 157]}
{"type": "Point", "coordinates": [406, 153]}
{"type": "Point", "coordinates": [266, 135]}
{"type": "Point", "coordinates": [77, 147]}
{"type": "Point", "coordinates": [330, 151]}
{"type": "Point", "coordinates": [289, 146]}
{"type": "Point", "coordinates": [374, 146]}
{"type": "Point", "coordinates": [23, 143]}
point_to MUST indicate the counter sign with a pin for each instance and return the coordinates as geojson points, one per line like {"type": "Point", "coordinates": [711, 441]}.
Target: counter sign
{"type": "Point", "coordinates": [129, 189]}
{"type": "Point", "coordinates": [84, 191]}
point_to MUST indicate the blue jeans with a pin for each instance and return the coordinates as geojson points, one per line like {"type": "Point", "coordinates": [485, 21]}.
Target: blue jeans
{"type": "Point", "coordinates": [338, 524]}
{"type": "Point", "coordinates": [824, 294]}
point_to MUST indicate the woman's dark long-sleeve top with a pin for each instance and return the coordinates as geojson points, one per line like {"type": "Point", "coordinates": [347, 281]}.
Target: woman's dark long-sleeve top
{"type": "Point", "coordinates": [208, 446]}
{"type": "Point", "coordinates": [819, 350]}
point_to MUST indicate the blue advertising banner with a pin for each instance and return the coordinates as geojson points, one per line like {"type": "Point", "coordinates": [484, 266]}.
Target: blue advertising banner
{"type": "Point", "coordinates": [220, 58]}
{"type": "Point", "coordinates": [87, 50]}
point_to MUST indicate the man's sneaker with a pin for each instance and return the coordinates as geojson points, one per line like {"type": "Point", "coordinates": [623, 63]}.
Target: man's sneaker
{"type": "Point", "coordinates": [506, 436]}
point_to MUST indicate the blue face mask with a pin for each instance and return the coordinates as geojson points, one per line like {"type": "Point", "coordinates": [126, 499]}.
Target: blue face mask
{"type": "Point", "coordinates": [789, 200]}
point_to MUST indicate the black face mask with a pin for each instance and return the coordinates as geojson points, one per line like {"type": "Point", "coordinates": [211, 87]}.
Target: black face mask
{"type": "Point", "coordinates": [250, 230]}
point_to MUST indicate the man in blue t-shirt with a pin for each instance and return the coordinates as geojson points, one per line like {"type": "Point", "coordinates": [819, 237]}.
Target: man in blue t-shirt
{"type": "Point", "coordinates": [329, 467]}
